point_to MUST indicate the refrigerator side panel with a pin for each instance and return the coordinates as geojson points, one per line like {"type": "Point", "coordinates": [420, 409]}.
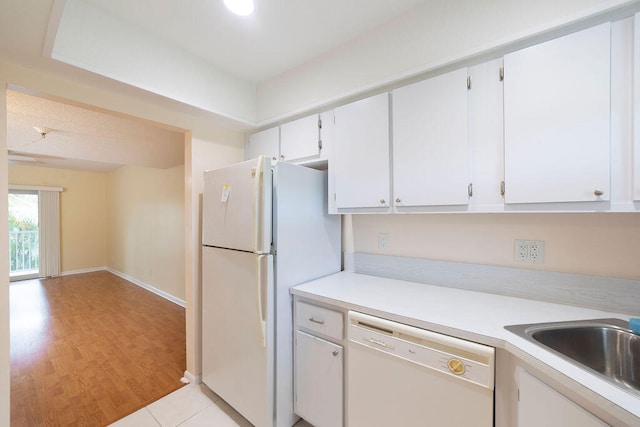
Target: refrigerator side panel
{"type": "Point", "coordinates": [238, 331]}
{"type": "Point", "coordinates": [236, 206]}
{"type": "Point", "coordinates": [307, 241]}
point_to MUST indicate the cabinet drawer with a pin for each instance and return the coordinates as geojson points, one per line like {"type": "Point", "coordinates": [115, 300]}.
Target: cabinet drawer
{"type": "Point", "coordinates": [319, 319]}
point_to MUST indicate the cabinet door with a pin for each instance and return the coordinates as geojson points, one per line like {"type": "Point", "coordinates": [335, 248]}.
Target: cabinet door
{"type": "Point", "coordinates": [557, 119]}
{"type": "Point", "coordinates": [430, 142]}
{"type": "Point", "coordinates": [300, 139]}
{"type": "Point", "coordinates": [265, 143]}
{"type": "Point", "coordinates": [486, 140]}
{"type": "Point", "coordinates": [361, 154]}
{"type": "Point", "coordinates": [318, 381]}
{"type": "Point", "coordinates": [541, 405]}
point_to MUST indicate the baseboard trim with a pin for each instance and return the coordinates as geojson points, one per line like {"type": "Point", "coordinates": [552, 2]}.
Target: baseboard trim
{"type": "Point", "coordinates": [133, 280]}
{"type": "Point", "coordinates": [84, 270]}
{"type": "Point", "coordinates": [191, 378]}
{"type": "Point", "coordinates": [148, 287]}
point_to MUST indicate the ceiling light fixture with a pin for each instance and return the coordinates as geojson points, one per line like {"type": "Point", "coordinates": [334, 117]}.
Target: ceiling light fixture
{"type": "Point", "coordinates": [240, 7]}
{"type": "Point", "coordinates": [43, 131]}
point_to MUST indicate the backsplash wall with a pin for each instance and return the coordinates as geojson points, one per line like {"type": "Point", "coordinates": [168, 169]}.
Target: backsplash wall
{"type": "Point", "coordinates": [600, 244]}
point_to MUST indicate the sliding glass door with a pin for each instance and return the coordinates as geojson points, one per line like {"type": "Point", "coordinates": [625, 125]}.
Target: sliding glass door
{"type": "Point", "coordinates": [24, 235]}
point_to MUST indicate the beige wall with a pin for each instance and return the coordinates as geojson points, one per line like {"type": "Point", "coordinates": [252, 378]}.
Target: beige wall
{"type": "Point", "coordinates": [601, 244]}
{"type": "Point", "coordinates": [146, 224]}
{"type": "Point", "coordinates": [131, 220]}
{"type": "Point", "coordinates": [82, 213]}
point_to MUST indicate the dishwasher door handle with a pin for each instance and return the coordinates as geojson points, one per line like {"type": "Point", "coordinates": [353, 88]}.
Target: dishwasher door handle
{"type": "Point", "coordinates": [380, 343]}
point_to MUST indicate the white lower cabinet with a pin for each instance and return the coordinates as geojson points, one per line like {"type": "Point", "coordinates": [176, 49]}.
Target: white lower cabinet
{"type": "Point", "coordinates": [319, 365]}
{"type": "Point", "coordinates": [319, 368]}
{"type": "Point", "coordinates": [541, 405]}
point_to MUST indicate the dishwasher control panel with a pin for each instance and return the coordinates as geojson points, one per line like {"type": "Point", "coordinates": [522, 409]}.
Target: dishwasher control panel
{"type": "Point", "coordinates": [459, 358]}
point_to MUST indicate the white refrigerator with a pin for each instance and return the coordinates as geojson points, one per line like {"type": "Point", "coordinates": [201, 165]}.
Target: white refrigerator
{"type": "Point", "coordinates": [265, 228]}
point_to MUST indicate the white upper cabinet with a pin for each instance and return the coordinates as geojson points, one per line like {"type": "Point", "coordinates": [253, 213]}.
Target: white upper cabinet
{"type": "Point", "coordinates": [486, 140]}
{"type": "Point", "coordinates": [265, 143]}
{"type": "Point", "coordinates": [360, 159]}
{"type": "Point", "coordinates": [300, 139]}
{"type": "Point", "coordinates": [431, 142]}
{"type": "Point", "coordinates": [557, 119]}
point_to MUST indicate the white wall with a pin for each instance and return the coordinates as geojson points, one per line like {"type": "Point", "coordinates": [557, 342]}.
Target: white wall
{"type": "Point", "coordinates": [436, 34]}
{"type": "Point", "coordinates": [202, 155]}
{"type": "Point", "coordinates": [4, 262]}
{"type": "Point", "coordinates": [95, 40]}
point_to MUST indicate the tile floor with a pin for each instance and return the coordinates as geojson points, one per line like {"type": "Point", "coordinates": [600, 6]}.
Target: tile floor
{"type": "Point", "coordinates": [193, 405]}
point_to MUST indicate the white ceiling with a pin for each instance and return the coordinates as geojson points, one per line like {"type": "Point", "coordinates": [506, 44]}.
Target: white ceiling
{"type": "Point", "coordinates": [82, 138]}
{"type": "Point", "coordinates": [279, 36]}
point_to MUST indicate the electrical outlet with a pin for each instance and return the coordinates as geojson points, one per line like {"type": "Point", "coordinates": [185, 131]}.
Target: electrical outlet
{"type": "Point", "coordinates": [383, 240]}
{"type": "Point", "coordinates": [531, 251]}
{"type": "Point", "coordinates": [536, 252]}
{"type": "Point", "coordinates": [521, 253]}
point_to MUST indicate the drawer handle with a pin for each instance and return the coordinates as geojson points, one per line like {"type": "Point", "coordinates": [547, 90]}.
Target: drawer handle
{"type": "Point", "coordinates": [380, 343]}
{"type": "Point", "coordinates": [319, 322]}
{"type": "Point", "coordinates": [335, 352]}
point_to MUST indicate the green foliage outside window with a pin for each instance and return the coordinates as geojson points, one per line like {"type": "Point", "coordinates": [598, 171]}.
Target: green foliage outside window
{"type": "Point", "coordinates": [23, 232]}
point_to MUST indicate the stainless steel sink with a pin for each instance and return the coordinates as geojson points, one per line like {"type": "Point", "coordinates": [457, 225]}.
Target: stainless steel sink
{"type": "Point", "coordinates": [606, 347]}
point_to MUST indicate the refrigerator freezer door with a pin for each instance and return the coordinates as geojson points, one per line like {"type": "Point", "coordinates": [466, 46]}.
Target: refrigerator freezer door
{"type": "Point", "coordinates": [238, 330]}
{"type": "Point", "coordinates": [236, 206]}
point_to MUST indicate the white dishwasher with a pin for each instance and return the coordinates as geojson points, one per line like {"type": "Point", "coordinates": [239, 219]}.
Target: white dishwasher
{"type": "Point", "coordinates": [399, 375]}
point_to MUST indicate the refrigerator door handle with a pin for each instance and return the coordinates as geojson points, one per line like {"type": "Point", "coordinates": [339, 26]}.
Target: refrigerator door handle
{"type": "Point", "coordinates": [263, 279]}
{"type": "Point", "coordinates": [259, 206]}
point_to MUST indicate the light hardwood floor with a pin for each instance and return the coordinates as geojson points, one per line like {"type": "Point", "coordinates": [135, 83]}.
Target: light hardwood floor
{"type": "Point", "coordinates": [90, 348]}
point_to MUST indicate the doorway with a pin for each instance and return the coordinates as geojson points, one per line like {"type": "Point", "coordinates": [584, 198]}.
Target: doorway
{"type": "Point", "coordinates": [24, 235]}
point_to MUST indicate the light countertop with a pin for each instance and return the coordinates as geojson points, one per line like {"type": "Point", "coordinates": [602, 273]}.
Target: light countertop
{"type": "Point", "coordinates": [476, 316]}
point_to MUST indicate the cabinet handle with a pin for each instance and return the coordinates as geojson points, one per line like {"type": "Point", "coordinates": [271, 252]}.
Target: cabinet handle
{"type": "Point", "coordinates": [319, 322]}
{"type": "Point", "coordinates": [502, 188]}
{"type": "Point", "coordinates": [598, 192]}
{"type": "Point", "coordinates": [398, 200]}
{"type": "Point", "coordinates": [383, 201]}
{"type": "Point", "coordinates": [470, 189]}
{"type": "Point", "coordinates": [335, 352]}
{"type": "Point", "coordinates": [281, 157]}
